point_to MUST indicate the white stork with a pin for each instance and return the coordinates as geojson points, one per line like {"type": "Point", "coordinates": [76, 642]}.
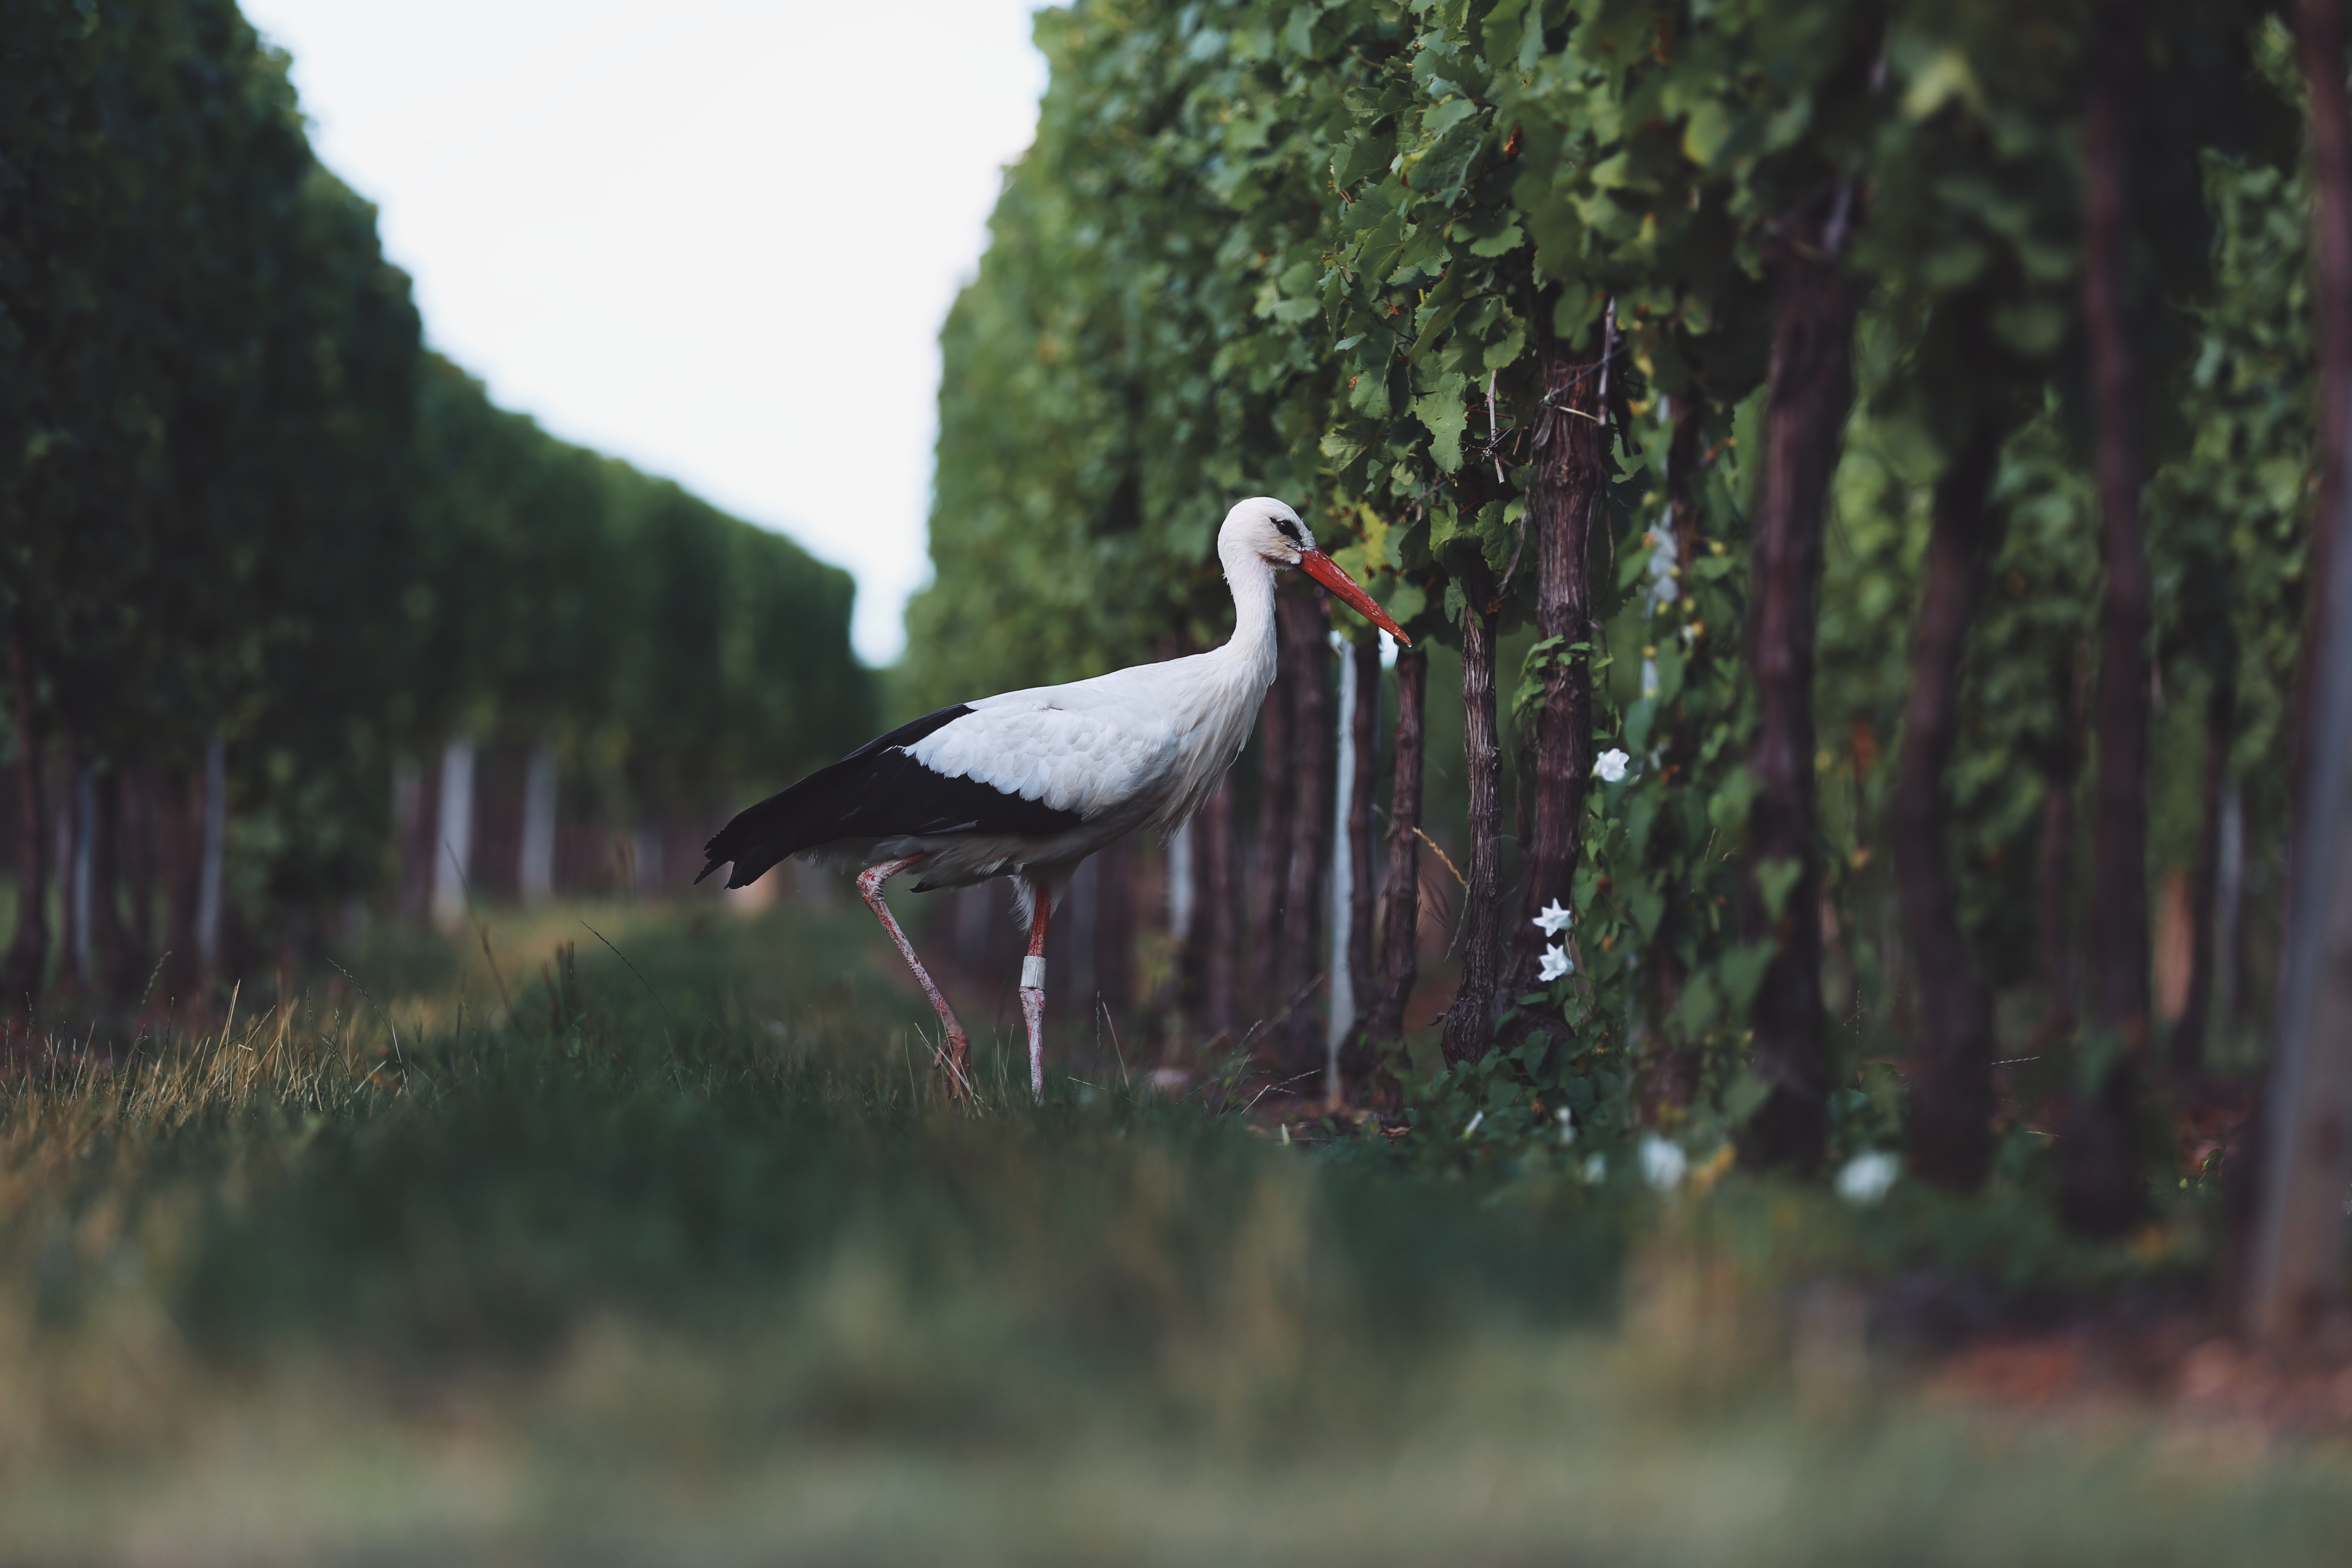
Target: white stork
{"type": "Point", "coordinates": [1028, 784]}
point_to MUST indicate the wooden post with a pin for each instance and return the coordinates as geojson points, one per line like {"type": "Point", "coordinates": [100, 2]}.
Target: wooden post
{"type": "Point", "coordinates": [2296, 1283]}
{"type": "Point", "coordinates": [1469, 1023]}
{"type": "Point", "coordinates": [1337, 955]}
{"type": "Point", "coordinates": [1276, 817]}
{"type": "Point", "coordinates": [453, 836]}
{"type": "Point", "coordinates": [535, 875]}
{"type": "Point", "coordinates": [22, 971]}
{"type": "Point", "coordinates": [212, 874]}
{"type": "Point", "coordinates": [1362, 720]}
{"type": "Point", "coordinates": [1217, 923]}
{"type": "Point", "coordinates": [1305, 620]}
{"type": "Point", "coordinates": [1401, 918]}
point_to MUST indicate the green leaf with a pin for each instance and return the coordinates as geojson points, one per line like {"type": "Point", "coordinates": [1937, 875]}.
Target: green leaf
{"type": "Point", "coordinates": [1436, 313]}
{"type": "Point", "coordinates": [1576, 309]}
{"type": "Point", "coordinates": [1745, 1096]}
{"type": "Point", "coordinates": [1648, 906]}
{"type": "Point", "coordinates": [1776, 879]}
{"type": "Point", "coordinates": [1506, 349]}
{"type": "Point", "coordinates": [1440, 171]}
{"type": "Point", "coordinates": [1945, 77]}
{"type": "Point", "coordinates": [1510, 238]}
{"type": "Point", "coordinates": [1343, 447]}
{"type": "Point", "coordinates": [1706, 131]}
{"type": "Point", "coordinates": [1727, 808]}
{"type": "Point", "coordinates": [2033, 328]}
{"type": "Point", "coordinates": [1743, 971]}
{"type": "Point", "coordinates": [1445, 413]}
{"type": "Point", "coordinates": [1553, 223]}
{"type": "Point", "coordinates": [1448, 115]}
{"type": "Point", "coordinates": [1638, 719]}
{"type": "Point", "coordinates": [1405, 601]}
{"type": "Point", "coordinates": [1786, 126]}
{"type": "Point", "coordinates": [1696, 1008]}
{"type": "Point", "coordinates": [1367, 153]}
{"type": "Point", "coordinates": [1376, 258]}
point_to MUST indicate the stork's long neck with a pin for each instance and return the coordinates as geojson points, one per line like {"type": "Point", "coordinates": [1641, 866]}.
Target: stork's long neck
{"type": "Point", "coordinates": [1252, 646]}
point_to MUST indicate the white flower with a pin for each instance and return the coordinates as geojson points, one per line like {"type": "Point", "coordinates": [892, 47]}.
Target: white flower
{"type": "Point", "coordinates": [1474, 1124]}
{"type": "Point", "coordinates": [1555, 963]}
{"type": "Point", "coordinates": [1567, 1128]}
{"type": "Point", "coordinates": [1663, 1163]}
{"type": "Point", "coordinates": [1596, 1168]}
{"type": "Point", "coordinates": [1649, 677]}
{"type": "Point", "coordinates": [1866, 1177]}
{"type": "Point", "coordinates": [1610, 766]}
{"type": "Point", "coordinates": [1554, 919]}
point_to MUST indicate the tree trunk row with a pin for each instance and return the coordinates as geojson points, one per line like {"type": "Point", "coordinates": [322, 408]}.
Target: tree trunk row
{"type": "Point", "coordinates": [129, 850]}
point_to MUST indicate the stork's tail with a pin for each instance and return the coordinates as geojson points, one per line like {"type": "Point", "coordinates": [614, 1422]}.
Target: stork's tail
{"type": "Point", "coordinates": [846, 799]}
{"type": "Point", "coordinates": [757, 838]}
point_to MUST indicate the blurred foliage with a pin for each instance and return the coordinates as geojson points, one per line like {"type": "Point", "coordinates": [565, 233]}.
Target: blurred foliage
{"type": "Point", "coordinates": [239, 499]}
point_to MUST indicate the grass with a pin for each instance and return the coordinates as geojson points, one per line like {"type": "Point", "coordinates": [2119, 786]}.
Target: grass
{"type": "Point", "coordinates": [684, 1257]}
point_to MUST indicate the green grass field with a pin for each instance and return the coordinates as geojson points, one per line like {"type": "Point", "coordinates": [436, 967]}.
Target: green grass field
{"type": "Point", "coordinates": [685, 1258]}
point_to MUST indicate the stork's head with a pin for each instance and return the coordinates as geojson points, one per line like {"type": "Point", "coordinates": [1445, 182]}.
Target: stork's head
{"type": "Point", "coordinates": [1267, 527]}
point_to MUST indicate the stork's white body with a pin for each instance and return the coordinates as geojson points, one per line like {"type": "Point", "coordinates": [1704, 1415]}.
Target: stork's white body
{"type": "Point", "coordinates": [1141, 747]}
{"type": "Point", "coordinates": [1028, 784]}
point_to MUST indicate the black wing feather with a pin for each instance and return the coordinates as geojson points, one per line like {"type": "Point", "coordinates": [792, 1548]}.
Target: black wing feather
{"type": "Point", "coordinates": [875, 791]}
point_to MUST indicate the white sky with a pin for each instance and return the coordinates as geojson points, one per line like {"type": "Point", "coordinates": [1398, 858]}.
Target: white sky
{"type": "Point", "coordinates": [715, 237]}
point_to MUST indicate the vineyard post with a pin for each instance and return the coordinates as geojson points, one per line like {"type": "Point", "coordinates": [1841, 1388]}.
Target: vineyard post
{"type": "Point", "coordinates": [28, 951]}
{"type": "Point", "coordinates": [1468, 1023]}
{"type": "Point", "coordinates": [2296, 1282]}
{"type": "Point", "coordinates": [1401, 918]}
{"type": "Point", "coordinates": [1300, 1046]}
{"type": "Point", "coordinates": [1276, 817]}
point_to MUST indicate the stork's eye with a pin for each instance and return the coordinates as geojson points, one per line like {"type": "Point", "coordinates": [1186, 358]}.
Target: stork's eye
{"type": "Point", "coordinates": [1290, 530]}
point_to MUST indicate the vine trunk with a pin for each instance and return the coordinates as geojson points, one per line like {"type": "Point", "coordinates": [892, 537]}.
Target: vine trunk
{"type": "Point", "coordinates": [2098, 1176]}
{"type": "Point", "coordinates": [1951, 1086]}
{"type": "Point", "coordinates": [1568, 495]}
{"type": "Point", "coordinates": [1809, 391]}
{"type": "Point", "coordinates": [1469, 1023]}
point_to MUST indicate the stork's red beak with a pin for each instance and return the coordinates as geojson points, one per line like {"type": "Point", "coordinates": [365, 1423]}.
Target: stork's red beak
{"type": "Point", "coordinates": [1326, 571]}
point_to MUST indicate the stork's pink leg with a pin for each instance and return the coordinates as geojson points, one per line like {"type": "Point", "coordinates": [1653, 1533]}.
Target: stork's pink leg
{"type": "Point", "coordinates": [956, 1059]}
{"type": "Point", "coordinates": [1033, 993]}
